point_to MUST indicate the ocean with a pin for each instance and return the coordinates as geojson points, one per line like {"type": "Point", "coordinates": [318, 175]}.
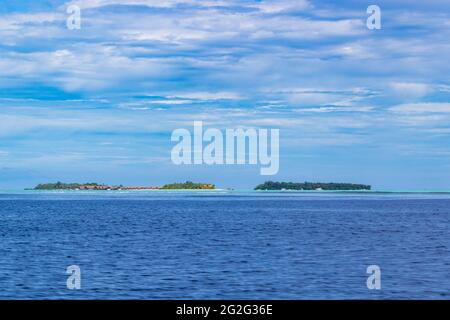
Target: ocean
{"type": "Point", "coordinates": [224, 245]}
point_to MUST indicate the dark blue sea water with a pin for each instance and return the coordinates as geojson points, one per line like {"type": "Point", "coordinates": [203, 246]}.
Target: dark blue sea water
{"type": "Point", "coordinates": [224, 245]}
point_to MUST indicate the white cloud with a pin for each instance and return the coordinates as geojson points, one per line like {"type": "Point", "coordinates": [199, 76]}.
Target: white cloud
{"type": "Point", "coordinates": [205, 96]}
{"type": "Point", "coordinates": [335, 109]}
{"type": "Point", "coordinates": [268, 6]}
{"type": "Point", "coordinates": [410, 89]}
{"type": "Point", "coordinates": [425, 107]}
{"type": "Point", "coordinates": [85, 67]}
{"type": "Point", "coordinates": [276, 6]}
{"type": "Point", "coordinates": [90, 4]}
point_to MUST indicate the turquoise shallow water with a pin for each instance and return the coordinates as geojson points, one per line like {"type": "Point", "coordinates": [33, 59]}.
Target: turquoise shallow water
{"type": "Point", "coordinates": [224, 244]}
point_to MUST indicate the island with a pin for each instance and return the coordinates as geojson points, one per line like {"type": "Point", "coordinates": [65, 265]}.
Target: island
{"type": "Point", "coordinates": [189, 185]}
{"type": "Point", "coordinates": [309, 186]}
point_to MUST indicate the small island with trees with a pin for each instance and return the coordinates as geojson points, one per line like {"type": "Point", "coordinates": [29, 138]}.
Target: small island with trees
{"type": "Point", "coordinates": [188, 185]}
{"type": "Point", "coordinates": [310, 186]}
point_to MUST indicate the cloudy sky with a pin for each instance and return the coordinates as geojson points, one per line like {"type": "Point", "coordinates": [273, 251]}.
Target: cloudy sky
{"type": "Point", "coordinates": [100, 103]}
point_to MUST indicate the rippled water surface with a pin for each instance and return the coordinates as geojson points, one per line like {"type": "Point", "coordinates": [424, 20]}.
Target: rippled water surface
{"type": "Point", "coordinates": [217, 245]}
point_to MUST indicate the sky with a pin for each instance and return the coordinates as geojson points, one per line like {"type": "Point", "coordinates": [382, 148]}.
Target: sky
{"type": "Point", "coordinates": [99, 103]}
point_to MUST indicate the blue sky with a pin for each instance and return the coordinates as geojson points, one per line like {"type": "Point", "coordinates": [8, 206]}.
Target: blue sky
{"type": "Point", "coordinates": [100, 103]}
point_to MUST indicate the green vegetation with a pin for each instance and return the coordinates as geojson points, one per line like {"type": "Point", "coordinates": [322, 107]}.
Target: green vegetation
{"type": "Point", "coordinates": [188, 185]}
{"type": "Point", "coordinates": [96, 186]}
{"type": "Point", "coordinates": [271, 185]}
{"type": "Point", "coordinates": [63, 186]}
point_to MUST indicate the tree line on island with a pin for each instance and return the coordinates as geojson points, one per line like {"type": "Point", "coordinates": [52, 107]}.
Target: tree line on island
{"type": "Point", "coordinates": [309, 186]}
{"type": "Point", "coordinates": [189, 185]}
{"type": "Point", "coordinates": [96, 186]}
{"type": "Point", "coordinates": [65, 186]}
